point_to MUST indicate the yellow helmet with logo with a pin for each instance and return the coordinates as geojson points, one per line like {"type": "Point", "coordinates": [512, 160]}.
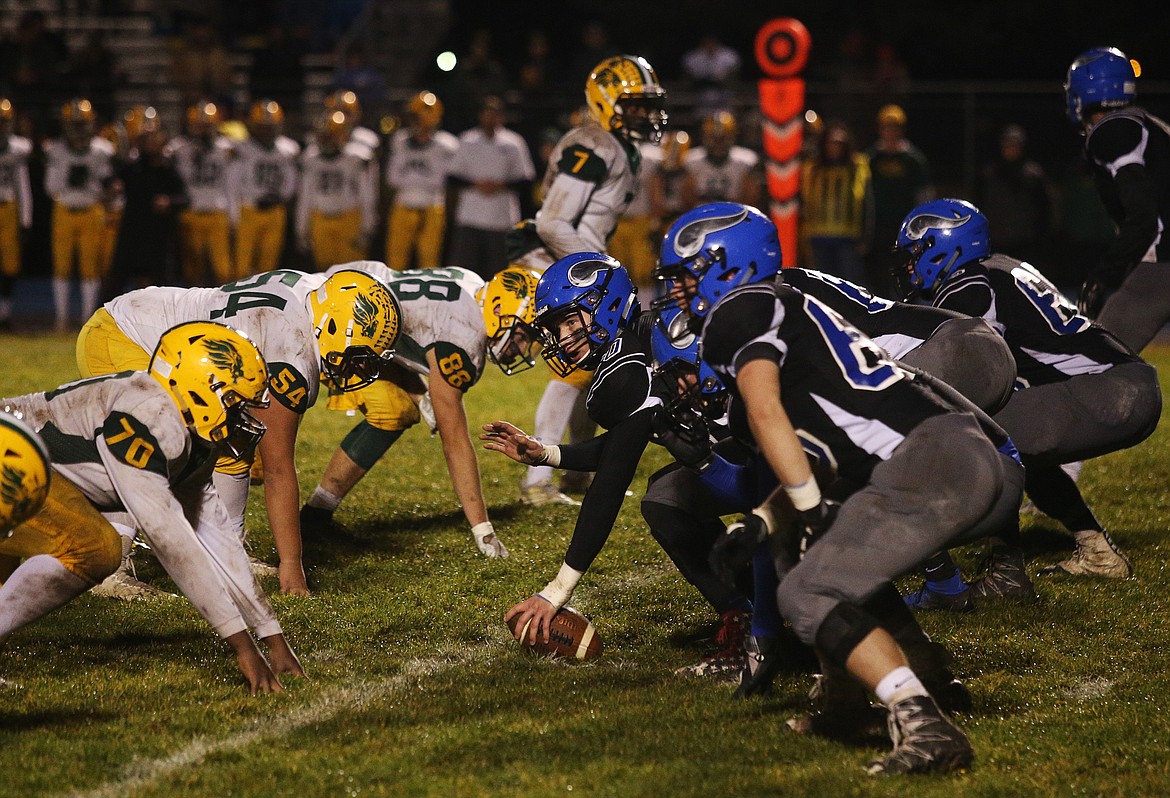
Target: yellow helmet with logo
{"type": "Point", "coordinates": [508, 301]}
{"type": "Point", "coordinates": [204, 118]}
{"type": "Point", "coordinates": [355, 321]}
{"type": "Point", "coordinates": [24, 473]}
{"type": "Point", "coordinates": [624, 95]}
{"type": "Point", "coordinates": [426, 109]}
{"type": "Point", "coordinates": [214, 374]}
{"type": "Point", "coordinates": [345, 101]}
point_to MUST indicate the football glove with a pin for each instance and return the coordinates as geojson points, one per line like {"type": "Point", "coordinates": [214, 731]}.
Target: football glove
{"type": "Point", "coordinates": [814, 523]}
{"type": "Point", "coordinates": [685, 436]}
{"type": "Point", "coordinates": [1092, 297]}
{"type": "Point", "coordinates": [486, 541]}
{"type": "Point", "coordinates": [733, 550]}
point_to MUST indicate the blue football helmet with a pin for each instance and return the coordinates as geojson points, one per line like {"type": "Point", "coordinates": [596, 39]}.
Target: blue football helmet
{"type": "Point", "coordinates": [711, 250]}
{"type": "Point", "coordinates": [583, 302]}
{"type": "Point", "coordinates": [686, 379]}
{"type": "Point", "coordinates": [936, 237]}
{"type": "Point", "coordinates": [1100, 78]}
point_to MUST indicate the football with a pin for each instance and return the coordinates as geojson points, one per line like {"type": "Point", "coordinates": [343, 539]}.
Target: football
{"type": "Point", "coordinates": [572, 636]}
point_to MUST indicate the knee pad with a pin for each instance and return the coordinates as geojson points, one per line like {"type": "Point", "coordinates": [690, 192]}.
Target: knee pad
{"type": "Point", "coordinates": [365, 444]}
{"type": "Point", "coordinates": [843, 628]}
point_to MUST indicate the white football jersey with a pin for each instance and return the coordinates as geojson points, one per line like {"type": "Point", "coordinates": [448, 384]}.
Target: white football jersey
{"type": "Point", "coordinates": [334, 184]}
{"type": "Point", "coordinates": [715, 182]}
{"type": "Point", "coordinates": [121, 440]}
{"type": "Point", "coordinates": [418, 172]}
{"type": "Point", "coordinates": [14, 185]}
{"type": "Point", "coordinates": [440, 312]}
{"type": "Point", "coordinates": [651, 161]}
{"type": "Point", "coordinates": [206, 172]}
{"type": "Point", "coordinates": [75, 179]}
{"type": "Point", "coordinates": [271, 309]}
{"type": "Point", "coordinates": [266, 171]}
{"type": "Point", "coordinates": [592, 177]}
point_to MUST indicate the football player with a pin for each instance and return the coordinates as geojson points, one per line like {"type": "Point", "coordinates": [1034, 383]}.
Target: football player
{"type": "Point", "coordinates": [136, 450]}
{"type": "Point", "coordinates": [592, 176]}
{"type": "Point", "coordinates": [420, 155]}
{"type": "Point", "coordinates": [451, 320]}
{"type": "Point", "coordinates": [1071, 375]}
{"type": "Point", "coordinates": [799, 372]}
{"type": "Point", "coordinates": [337, 207]}
{"type": "Point", "coordinates": [15, 204]}
{"type": "Point", "coordinates": [347, 102]}
{"type": "Point", "coordinates": [265, 179]}
{"type": "Point", "coordinates": [77, 169]}
{"type": "Point", "coordinates": [306, 325]}
{"type": "Point", "coordinates": [1129, 151]}
{"type": "Point", "coordinates": [204, 158]}
{"type": "Point", "coordinates": [586, 308]}
{"type": "Point", "coordinates": [25, 473]}
{"type": "Point", "coordinates": [721, 170]}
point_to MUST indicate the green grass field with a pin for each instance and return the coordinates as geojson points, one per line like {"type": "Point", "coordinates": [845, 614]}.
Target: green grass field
{"type": "Point", "coordinates": [416, 689]}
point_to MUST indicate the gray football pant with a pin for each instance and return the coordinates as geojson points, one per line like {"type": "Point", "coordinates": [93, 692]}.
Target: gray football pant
{"type": "Point", "coordinates": [1084, 416]}
{"type": "Point", "coordinates": [1140, 307]}
{"type": "Point", "coordinates": [939, 483]}
{"type": "Point", "coordinates": [972, 358]}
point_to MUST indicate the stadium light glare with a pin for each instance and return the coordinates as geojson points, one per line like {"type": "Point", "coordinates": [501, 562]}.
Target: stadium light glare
{"type": "Point", "coordinates": [446, 60]}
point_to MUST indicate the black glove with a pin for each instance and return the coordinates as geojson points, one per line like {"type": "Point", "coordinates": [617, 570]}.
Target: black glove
{"type": "Point", "coordinates": [685, 436]}
{"type": "Point", "coordinates": [1092, 297]}
{"type": "Point", "coordinates": [814, 523]}
{"type": "Point", "coordinates": [734, 548]}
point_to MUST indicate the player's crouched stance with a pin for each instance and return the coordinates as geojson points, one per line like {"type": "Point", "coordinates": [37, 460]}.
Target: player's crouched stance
{"type": "Point", "coordinates": [139, 447]}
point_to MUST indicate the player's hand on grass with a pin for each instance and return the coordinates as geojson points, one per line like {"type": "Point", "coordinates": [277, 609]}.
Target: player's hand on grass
{"type": "Point", "coordinates": [292, 579]}
{"type": "Point", "coordinates": [488, 542]}
{"type": "Point", "coordinates": [733, 550]}
{"type": "Point", "coordinates": [281, 657]}
{"type": "Point", "coordinates": [252, 664]}
{"type": "Point", "coordinates": [535, 616]}
{"type": "Point", "coordinates": [508, 439]}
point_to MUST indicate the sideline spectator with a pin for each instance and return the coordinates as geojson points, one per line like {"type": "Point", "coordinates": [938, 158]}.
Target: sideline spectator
{"type": "Point", "coordinates": [712, 67]}
{"type": "Point", "coordinates": [836, 205]}
{"type": "Point", "coordinates": [199, 64]}
{"type": "Point", "coordinates": [31, 64]}
{"type": "Point", "coordinates": [1016, 197]}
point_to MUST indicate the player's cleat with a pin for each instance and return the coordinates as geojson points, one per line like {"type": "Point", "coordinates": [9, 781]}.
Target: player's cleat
{"type": "Point", "coordinates": [261, 569]}
{"type": "Point", "coordinates": [576, 482]}
{"type": "Point", "coordinates": [762, 657]}
{"type": "Point", "coordinates": [545, 493]}
{"type": "Point", "coordinates": [122, 585]}
{"type": "Point", "coordinates": [924, 741]}
{"type": "Point", "coordinates": [930, 662]}
{"type": "Point", "coordinates": [841, 711]}
{"type": "Point", "coordinates": [926, 599]}
{"type": "Point", "coordinates": [315, 523]}
{"type": "Point", "coordinates": [729, 660]}
{"type": "Point", "coordinates": [1096, 555]}
{"type": "Point", "coordinates": [1005, 577]}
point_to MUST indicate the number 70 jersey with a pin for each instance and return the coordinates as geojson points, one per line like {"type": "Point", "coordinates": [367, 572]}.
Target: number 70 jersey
{"type": "Point", "coordinates": [271, 309]}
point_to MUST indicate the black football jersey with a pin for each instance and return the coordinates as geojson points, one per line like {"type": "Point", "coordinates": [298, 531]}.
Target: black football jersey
{"type": "Point", "coordinates": [622, 383]}
{"type": "Point", "coordinates": [1124, 137]}
{"type": "Point", "coordinates": [897, 327]}
{"type": "Point", "coordinates": [1050, 341]}
{"type": "Point", "coordinates": [843, 395]}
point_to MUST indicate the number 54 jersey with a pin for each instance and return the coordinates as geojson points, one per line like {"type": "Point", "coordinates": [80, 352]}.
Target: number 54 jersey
{"type": "Point", "coordinates": [271, 309]}
{"type": "Point", "coordinates": [849, 403]}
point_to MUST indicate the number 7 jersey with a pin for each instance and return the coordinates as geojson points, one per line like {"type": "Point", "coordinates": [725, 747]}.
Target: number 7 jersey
{"type": "Point", "coordinates": [270, 308]}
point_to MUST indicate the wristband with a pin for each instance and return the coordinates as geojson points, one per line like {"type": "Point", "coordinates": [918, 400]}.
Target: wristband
{"type": "Point", "coordinates": [558, 591]}
{"type": "Point", "coordinates": [805, 496]}
{"type": "Point", "coordinates": [551, 456]}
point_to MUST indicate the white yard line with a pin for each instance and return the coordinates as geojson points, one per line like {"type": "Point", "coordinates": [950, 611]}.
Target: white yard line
{"type": "Point", "coordinates": [330, 703]}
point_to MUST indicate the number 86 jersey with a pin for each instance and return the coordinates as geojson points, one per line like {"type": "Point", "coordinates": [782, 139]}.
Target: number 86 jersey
{"type": "Point", "coordinates": [270, 308]}
{"type": "Point", "coordinates": [849, 403]}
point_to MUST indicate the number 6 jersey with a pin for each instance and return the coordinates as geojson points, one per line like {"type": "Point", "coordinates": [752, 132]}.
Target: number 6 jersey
{"type": "Point", "coordinates": [270, 308]}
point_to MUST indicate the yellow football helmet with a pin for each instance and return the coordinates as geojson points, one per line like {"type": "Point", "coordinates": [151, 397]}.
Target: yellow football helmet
{"type": "Point", "coordinates": [333, 129]}
{"type": "Point", "coordinates": [720, 123]}
{"type": "Point", "coordinates": [24, 473]}
{"type": "Point", "coordinates": [140, 119]}
{"type": "Point", "coordinates": [675, 146]}
{"type": "Point", "coordinates": [508, 301]}
{"type": "Point", "coordinates": [355, 321]}
{"type": "Point", "coordinates": [7, 116]}
{"type": "Point", "coordinates": [426, 109]}
{"type": "Point", "coordinates": [345, 101]}
{"type": "Point", "coordinates": [214, 374]}
{"type": "Point", "coordinates": [204, 118]}
{"type": "Point", "coordinates": [624, 95]}
{"type": "Point", "coordinates": [265, 120]}
{"type": "Point", "coordinates": [77, 120]}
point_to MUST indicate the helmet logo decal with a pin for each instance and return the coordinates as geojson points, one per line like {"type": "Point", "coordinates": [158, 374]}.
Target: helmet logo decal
{"type": "Point", "coordinates": [586, 272]}
{"type": "Point", "coordinates": [690, 239]}
{"type": "Point", "coordinates": [679, 333]}
{"type": "Point", "coordinates": [365, 315]}
{"type": "Point", "coordinates": [13, 492]}
{"type": "Point", "coordinates": [607, 77]}
{"type": "Point", "coordinates": [225, 356]}
{"type": "Point", "coordinates": [515, 283]}
{"type": "Point", "coordinates": [917, 227]}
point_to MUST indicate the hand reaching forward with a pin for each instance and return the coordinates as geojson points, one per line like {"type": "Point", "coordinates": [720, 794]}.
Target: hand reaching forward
{"type": "Point", "coordinates": [500, 436]}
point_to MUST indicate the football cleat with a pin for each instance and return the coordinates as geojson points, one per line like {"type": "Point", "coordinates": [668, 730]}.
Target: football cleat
{"type": "Point", "coordinates": [541, 494]}
{"type": "Point", "coordinates": [730, 659]}
{"type": "Point", "coordinates": [261, 569]}
{"type": "Point", "coordinates": [930, 662]}
{"type": "Point", "coordinates": [122, 585]}
{"type": "Point", "coordinates": [762, 658]}
{"type": "Point", "coordinates": [841, 711]}
{"type": "Point", "coordinates": [316, 522]}
{"type": "Point", "coordinates": [924, 741]}
{"type": "Point", "coordinates": [926, 599]}
{"type": "Point", "coordinates": [1096, 555]}
{"type": "Point", "coordinates": [1005, 577]}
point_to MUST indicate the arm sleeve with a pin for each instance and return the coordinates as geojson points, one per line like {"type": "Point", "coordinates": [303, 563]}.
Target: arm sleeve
{"type": "Point", "coordinates": [729, 482]}
{"type": "Point", "coordinates": [1139, 230]}
{"type": "Point", "coordinates": [556, 224]}
{"type": "Point", "coordinates": [583, 456]}
{"type": "Point", "coordinates": [619, 461]}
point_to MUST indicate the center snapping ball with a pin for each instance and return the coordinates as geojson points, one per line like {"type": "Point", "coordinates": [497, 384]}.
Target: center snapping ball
{"type": "Point", "coordinates": [571, 635]}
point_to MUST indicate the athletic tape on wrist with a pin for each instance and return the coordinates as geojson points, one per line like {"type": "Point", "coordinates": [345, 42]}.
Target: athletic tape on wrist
{"type": "Point", "coordinates": [805, 496]}
{"type": "Point", "coordinates": [558, 591]}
